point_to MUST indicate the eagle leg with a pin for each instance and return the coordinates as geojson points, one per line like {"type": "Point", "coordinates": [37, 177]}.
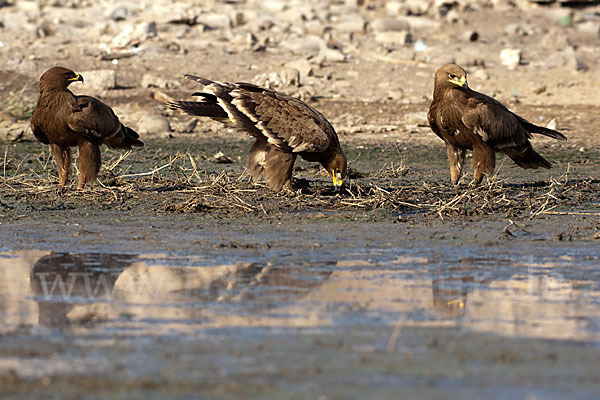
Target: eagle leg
{"type": "Point", "coordinates": [89, 162]}
{"type": "Point", "coordinates": [484, 162]}
{"type": "Point", "coordinates": [62, 157]}
{"type": "Point", "coordinates": [278, 168]}
{"type": "Point", "coordinates": [256, 160]}
{"type": "Point", "coordinates": [456, 159]}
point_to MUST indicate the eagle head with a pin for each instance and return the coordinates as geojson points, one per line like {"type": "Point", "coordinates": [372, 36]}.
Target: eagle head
{"type": "Point", "coordinates": [58, 78]}
{"type": "Point", "coordinates": [451, 73]}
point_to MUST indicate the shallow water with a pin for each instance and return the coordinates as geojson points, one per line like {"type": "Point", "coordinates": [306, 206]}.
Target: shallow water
{"type": "Point", "coordinates": [290, 310]}
{"type": "Point", "coordinates": [555, 296]}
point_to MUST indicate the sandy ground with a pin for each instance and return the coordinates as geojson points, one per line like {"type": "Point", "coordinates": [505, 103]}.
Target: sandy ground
{"type": "Point", "coordinates": [402, 284]}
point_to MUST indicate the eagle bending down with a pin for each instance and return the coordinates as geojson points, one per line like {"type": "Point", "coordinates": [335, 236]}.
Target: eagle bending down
{"type": "Point", "coordinates": [283, 126]}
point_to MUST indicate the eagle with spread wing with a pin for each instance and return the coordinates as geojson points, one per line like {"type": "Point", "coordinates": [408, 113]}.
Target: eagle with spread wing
{"type": "Point", "coordinates": [63, 120]}
{"type": "Point", "coordinates": [283, 126]}
{"type": "Point", "coordinates": [469, 120]}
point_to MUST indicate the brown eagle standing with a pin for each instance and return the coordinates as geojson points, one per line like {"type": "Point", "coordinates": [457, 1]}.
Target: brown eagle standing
{"type": "Point", "coordinates": [469, 120]}
{"type": "Point", "coordinates": [283, 126]}
{"type": "Point", "coordinates": [63, 120]}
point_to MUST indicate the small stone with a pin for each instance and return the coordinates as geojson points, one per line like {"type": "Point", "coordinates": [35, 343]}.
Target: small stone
{"type": "Point", "coordinates": [420, 46]}
{"type": "Point", "coordinates": [309, 43]}
{"type": "Point", "coordinates": [351, 25]}
{"type": "Point", "coordinates": [332, 55]}
{"type": "Point", "coordinates": [214, 21]}
{"type": "Point", "coordinates": [394, 7]}
{"type": "Point", "coordinates": [220, 158]}
{"type": "Point", "coordinates": [470, 36]}
{"type": "Point", "coordinates": [153, 124]}
{"type": "Point", "coordinates": [12, 131]}
{"type": "Point", "coordinates": [134, 35]}
{"type": "Point", "coordinates": [389, 24]}
{"type": "Point", "coordinates": [101, 79]}
{"type": "Point", "coordinates": [284, 78]}
{"type": "Point", "coordinates": [590, 27]}
{"type": "Point", "coordinates": [120, 14]}
{"type": "Point", "coordinates": [273, 6]}
{"type": "Point", "coordinates": [567, 58]}
{"type": "Point", "coordinates": [45, 29]}
{"type": "Point", "coordinates": [149, 80]}
{"type": "Point", "coordinates": [304, 67]}
{"type": "Point", "coordinates": [511, 58]}
{"type": "Point", "coordinates": [421, 22]}
{"type": "Point", "coordinates": [555, 39]}
{"type": "Point", "coordinates": [289, 76]}
{"type": "Point", "coordinates": [395, 38]}
{"type": "Point", "coordinates": [416, 7]}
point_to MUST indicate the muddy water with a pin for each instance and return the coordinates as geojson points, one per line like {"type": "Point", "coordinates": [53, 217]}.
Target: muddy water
{"type": "Point", "coordinates": [287, 310]}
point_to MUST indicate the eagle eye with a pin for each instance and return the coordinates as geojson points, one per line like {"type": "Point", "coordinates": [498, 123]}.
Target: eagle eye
{"type": "Point", "coordinates": [452, 76]}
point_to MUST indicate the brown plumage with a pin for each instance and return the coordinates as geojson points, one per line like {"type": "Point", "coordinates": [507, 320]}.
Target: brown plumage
{"type": "Point", "coordinates": [469, 120]}
{"type": "Point", "coordinates": [284, 127]}
{"type": "Point", "coordinates": [63, 120]}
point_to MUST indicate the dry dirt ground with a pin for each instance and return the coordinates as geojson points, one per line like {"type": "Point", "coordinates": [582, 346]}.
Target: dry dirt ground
{"type": "Point", "coordinates": [174, 196]}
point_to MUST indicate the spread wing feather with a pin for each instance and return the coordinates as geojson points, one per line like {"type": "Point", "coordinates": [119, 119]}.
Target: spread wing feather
{"type": "Point", "coordinates": [283, 121]}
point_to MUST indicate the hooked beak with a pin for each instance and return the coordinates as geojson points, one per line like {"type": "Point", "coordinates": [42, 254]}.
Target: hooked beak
{"type": "Point", "coordinates": [338, 183]}
{"type": "Point", "coordinates": [77, 77]}
{"type": "Point", "coordinates": [462, 82]}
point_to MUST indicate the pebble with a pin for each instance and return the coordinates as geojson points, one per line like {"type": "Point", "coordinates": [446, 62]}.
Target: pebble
{"type": "Point", "coordinates": [306, 44]}
{"type": "Point", "coordinates": [395, 38]}
{"type": "Point", "coordinates": [389, 24]}
{"type": "Point", "coordinates": [152, 124]}
{"type": "Point", "coordinates": [214, 21]}
{"type": "Point", "coordinates": [332, 55]}
{"type": "Point", "coordinates": [356, 24]}
{"type": "Point", "coordinates": [133, 35]}
{"type": "Point", "coordinates": [304, 68]}
{"type": "Point", "coordinates": [416, 7]}
{"type": "Point", "coordinates": [394, 7]}
{"type": "Point", "coordinates": [567, 58]}
{"type": "Point", "coordinates": [100, 79]}
{"type": "Point", "coordinates": [470, 36]}
{"type": "Point", "coordinates": [12, 131]}
{"type": "Point", "coordinates": [149, 80]}
{"type": "Point", "coordinates": [511, 58]}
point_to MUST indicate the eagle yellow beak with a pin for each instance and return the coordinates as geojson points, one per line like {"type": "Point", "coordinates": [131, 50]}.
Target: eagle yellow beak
{"type": "Point", "coordinates": [337, 181]}
{"type": "Point", "coordinates": [462, 82]}
{"type": "Point", "coordinates": [76, 78]}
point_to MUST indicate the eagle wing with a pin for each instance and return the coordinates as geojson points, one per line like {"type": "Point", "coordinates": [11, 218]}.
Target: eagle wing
{"type": "Point", "coordinates": [431, 117]}
{"type": "Point", "coordinates": [494, 123]}
{"type": "Point", "coordinates": [282, 120]}
{"type": "Point", "coordinates": [285, 121]}
{"type": "Point", "coordinates": [93, 119]}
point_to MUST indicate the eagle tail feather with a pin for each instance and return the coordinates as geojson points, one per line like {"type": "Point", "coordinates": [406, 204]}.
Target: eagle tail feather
{"type": "Point", "coordinates": [528, 159]}
{"type": "Point", "coordinates": [126, 138]}
{"type": "Point", "coordinates": [532, 128]}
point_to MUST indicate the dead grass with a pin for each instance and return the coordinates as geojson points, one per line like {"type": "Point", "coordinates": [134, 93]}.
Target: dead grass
{"type": "Point", "coordinates": [183, 184]}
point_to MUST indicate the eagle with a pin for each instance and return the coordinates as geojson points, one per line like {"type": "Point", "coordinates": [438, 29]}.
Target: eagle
{"type": "Point", "coordinates": [469, 120]}
{"type": "Point", "coordinates": [284, 127]}
{"type": "Point", "coordinates": [63, 120]}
